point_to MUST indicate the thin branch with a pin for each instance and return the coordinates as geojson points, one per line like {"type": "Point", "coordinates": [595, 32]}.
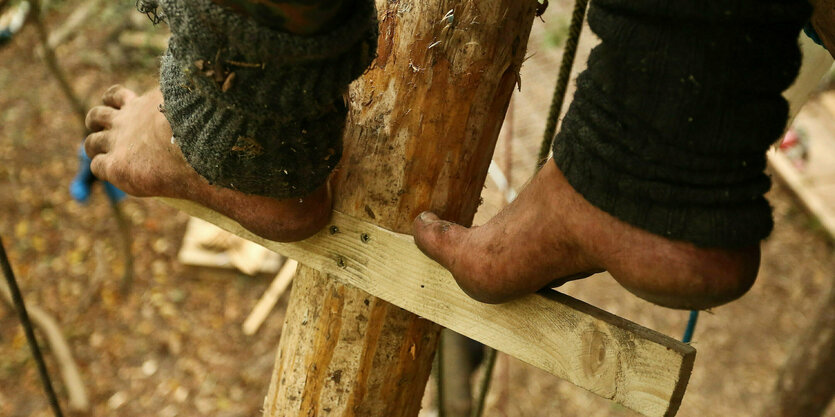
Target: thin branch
{"type": "Point", "coordinates": [439, 374]}
{"type": "Point", "coordinates": [489, 365]}
{"type": "Point", "coordinates": [12, 295]}
{"type": "Point", "coordinates": [124, 233]}
{"type": "Point", "coordinates": [52, 64]}
{"type": "Point", "coordinates": [80, 110]}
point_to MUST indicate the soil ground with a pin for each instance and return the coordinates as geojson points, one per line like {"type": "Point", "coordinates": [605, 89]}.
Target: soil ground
{"type": "Point", "coordinates": [174, 346]}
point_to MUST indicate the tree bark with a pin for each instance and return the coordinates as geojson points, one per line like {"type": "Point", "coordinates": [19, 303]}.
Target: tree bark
{"type": "Point", "coordinates": [806, 383]}
{"type": "Point", "coordinates": [422, 126]}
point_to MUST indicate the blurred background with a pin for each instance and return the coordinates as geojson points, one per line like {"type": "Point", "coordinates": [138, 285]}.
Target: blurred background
{"type": "Point", "coordinates": [158, 329]}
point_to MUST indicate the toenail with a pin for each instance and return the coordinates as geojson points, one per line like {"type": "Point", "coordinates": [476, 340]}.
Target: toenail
{"type": "Point", "coordinates": [425, 217]}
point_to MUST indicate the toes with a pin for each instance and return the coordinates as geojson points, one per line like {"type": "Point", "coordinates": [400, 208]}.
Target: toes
{"type": "Point", "coordinates": [99, 118]}
{"type": "Point", "coordinates": [116, 96]}
{"type": "Point", "coordinates": [100, 167]}
{"type": "Point", "coordinates": [438, 239]}
{"type": "Point", "coordinates": [449, 245]}
{"type": "Point", "coordinates": [96, 143]}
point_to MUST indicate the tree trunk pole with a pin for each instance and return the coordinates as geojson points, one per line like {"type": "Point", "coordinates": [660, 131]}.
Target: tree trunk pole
{"type": "Point", "coordinates": [422, 127]}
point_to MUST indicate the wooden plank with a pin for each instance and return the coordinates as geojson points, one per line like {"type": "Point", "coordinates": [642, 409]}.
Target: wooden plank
{"type": "Point", "coordinates": [813, 202]}
{"type": "Point", "coordinates": [248, 257]}
{"type": "Point", "coordinates": [605, 354]}
{"type": "Point", "coordinates": [816, 63]}
{"type": "Point", "coordinates": [267, 301]}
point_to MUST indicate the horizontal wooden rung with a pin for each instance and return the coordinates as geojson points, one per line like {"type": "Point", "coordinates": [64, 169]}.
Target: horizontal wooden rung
{"type": "Point", "coordinates": [612, 357]}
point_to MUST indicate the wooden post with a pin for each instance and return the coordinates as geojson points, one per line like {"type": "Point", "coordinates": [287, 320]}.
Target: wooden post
{"type": "Point", "coordinates": [422, 127]}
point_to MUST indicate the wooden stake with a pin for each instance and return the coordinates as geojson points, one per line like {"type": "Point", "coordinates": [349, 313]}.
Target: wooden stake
{"type": "Point", "coordinates": [422, 127]}
{"type": "Point", "coordinates": [265, 305]}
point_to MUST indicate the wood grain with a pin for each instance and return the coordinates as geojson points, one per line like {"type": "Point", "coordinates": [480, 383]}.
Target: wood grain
{"type": "Point", "coordinates": [422, 125]}
{"type": "Point", "coordinates": [605, 354]}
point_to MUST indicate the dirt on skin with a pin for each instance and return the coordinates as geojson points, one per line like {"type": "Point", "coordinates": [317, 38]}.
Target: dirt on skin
{"type": "Point", "coordinates": [174, 345]}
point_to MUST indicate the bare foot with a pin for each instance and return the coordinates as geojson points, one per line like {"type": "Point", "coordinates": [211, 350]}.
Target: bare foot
{"type": "Point", "coordinates": [550, 234]}
{"type": "Point", "coordinates": [131, 147]}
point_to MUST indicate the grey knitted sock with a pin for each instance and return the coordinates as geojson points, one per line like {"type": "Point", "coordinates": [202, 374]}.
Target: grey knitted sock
{"type": "Point", "coordinates": [257, 110]}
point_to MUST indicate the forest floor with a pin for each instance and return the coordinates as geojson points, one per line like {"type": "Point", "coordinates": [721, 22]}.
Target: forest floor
{"type": "Point", "coordinates": [173, 345]}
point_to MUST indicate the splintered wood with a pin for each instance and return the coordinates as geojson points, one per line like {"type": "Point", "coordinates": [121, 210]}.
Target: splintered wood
{"type": "Point", "coordinates": [605, 354]}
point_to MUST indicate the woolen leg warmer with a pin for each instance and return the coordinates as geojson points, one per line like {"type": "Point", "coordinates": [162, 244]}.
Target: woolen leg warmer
{"type": "Point", "coordinates": [258, 110]}
{"type": "Point", "coordinates": [670, 123]}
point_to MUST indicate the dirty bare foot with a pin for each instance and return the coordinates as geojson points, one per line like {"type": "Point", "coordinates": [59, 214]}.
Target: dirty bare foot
{"type": "Point", "coordinates": [131, 147]}
{"type": "Point", "coordinates": [550, 234]}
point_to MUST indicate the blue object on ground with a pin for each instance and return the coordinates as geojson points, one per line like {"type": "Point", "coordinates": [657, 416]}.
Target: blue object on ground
{"type": "Point", "coordinates": [5, 36]}
{"type": "Point", "coordinates": [809, 30]}
{"type": "Point", "coordinates": [81, 185]}
{"type": "Point", "coordinates": [691, 326]}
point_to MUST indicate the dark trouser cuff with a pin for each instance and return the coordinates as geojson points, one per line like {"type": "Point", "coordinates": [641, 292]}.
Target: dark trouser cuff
{"type": "Point", "coordinates": [670, 123]}
{"type": "Point", "coordinates": [257, 110]}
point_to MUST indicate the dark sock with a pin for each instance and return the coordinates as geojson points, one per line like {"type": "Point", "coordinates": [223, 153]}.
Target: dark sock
{"type": "Point", "coordinates": [670, 123]}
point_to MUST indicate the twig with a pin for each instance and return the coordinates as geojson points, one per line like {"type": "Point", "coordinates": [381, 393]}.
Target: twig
{"type": "Point", "coordinates": [76, 391]}
{"type": "Point", "coordinates": [489, 364]}
{"type": "Point", "coordinates": [80, 110]}
{"type": "Point", "coordinates": [270, 298]}
{"type": "Point", "coordinates": [94, 284]}
{"type": "Point", "coordinates": [508, 142]}
{"type": "Point", "coordinates": [439, 375]}
{"type": "Point", "coordinates": [52, 64]}
{"type": "Point", "coordinates": [135, 39]}
{"type": "Point", "coordinates": [11, 294]}
{"type": "Point", "coordinates": [501, 403]}
{"type": "Point", "coordinates": [124, 233]}
{"type": "Point", "coordinates": [71, 24]}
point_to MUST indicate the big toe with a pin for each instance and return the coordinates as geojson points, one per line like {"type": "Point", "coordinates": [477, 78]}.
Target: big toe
{"type": "Point", "coordinates": [450, 245]}
{"type": "Point", "coordinates": [438, 239]}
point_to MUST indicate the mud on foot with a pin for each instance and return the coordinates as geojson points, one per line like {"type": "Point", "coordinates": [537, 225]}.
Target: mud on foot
{"type": "Point", "coordinates": [550, 234]}
{"type": "Point", "coordinates": [131, 147]}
